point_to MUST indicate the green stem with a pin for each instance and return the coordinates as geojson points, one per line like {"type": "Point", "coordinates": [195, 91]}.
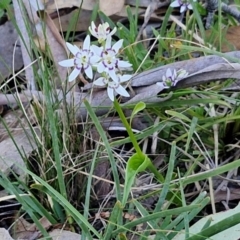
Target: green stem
{"type": "Point", "coordinates": [128, 127]}
{"type": "Point", "coordinates": [158, 175]}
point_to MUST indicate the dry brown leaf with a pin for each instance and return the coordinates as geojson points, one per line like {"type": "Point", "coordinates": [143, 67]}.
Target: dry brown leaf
{"type": "Point", "coordinates": [9, 37]}
{"type": "Point", "coordinates": [54, 5]}
{"type": "Point", "coordinates": [102, 188]}
{"type": "Point", "coordinates": [63, 24]}
{"type": "Point", "coordinates": [25, 230]}
{"type": "Point", "coordinates": [111, 7]}
{"type": "Point", "coordinates": [10, 155]}
{"type": "Point", "coordinates": [15, 120]}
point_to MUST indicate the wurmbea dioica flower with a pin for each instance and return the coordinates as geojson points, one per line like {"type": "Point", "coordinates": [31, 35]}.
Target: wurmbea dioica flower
{"type": "Point", "coordinates": [114, 86]}
{"type": "Point", "coordinates": [104, 59]}
{"type": "Point", "coordinates": [183, 4]}
{"type": "Point", "coordinates": [101, 32]}
{"type": "Point", "coordinates": [83, 59]}
{"type": "Point", "coordinates": [109, 62]}
{"type": "Point", "coordinates": [172, 77]}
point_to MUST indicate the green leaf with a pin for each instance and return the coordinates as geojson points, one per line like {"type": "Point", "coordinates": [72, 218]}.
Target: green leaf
{"type": "Point", "coordinates": [225, 225]}
{"type": "Point", "coordinates": [4, 4]}
{"type": "Point", "coordinates": [178, 115]}
{"type": "Point", "coordinates": [191, 132]}
{"type": "Point", "coordinates": [137, 163]}
{"type": "Point", "coordinates": [139, 107]}
{"type": "Point", "coordinates": [112, 224]}
{"type": "Point", "coordinates": [154, 216]}
{"type": "Point", "coordinates": [75, 214]}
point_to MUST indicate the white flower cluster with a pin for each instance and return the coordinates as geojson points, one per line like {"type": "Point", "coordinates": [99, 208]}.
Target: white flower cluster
{"type": "Point", "coordinates": [172, 77]}
{"type": "Point", "coordinates": [104, 58]}
{"type": "Point", "coordinates": [183, 4]}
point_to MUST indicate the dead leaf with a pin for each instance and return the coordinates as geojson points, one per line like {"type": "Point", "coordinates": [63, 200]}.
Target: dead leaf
{"type": "Point", "coordinates": [10, 155]}
{"type": "Point", "coordinates": [15, 120]}
{"type": "Point", "coordinates": [53, 5]}
{"type": "Point", "coordinates": [25, 230]}
{"type": "Point", "coordinates": [9, 37]}
{"type": "Point", "coordinates": [101, 170]}
{"type": "Point", "coordinates": [111, 7]}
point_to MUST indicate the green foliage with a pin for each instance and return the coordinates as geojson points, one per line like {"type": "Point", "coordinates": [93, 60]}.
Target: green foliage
{"type": "Point", "coordinates": [4, 4]}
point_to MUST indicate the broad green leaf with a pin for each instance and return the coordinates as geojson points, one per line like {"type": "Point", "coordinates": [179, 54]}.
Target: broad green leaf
{"type": "Point", "coordinates": [139, 107]}
{"type": "Point", "coordinates": [137, 163]}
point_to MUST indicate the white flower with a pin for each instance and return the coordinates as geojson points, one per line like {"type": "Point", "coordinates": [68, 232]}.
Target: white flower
{"type": "Point", "coordinates": [171, 78]}
{"type": "Point", "coordinates": [83, 59]}
{"type": "Point", "coordinates": [183, 4]}
{"type": "Point", "coordinates": [102, 31]}
{"type": "Point", "coordinates": [109, 62]}
{"type": "Point", "coordinates": [113, 86]}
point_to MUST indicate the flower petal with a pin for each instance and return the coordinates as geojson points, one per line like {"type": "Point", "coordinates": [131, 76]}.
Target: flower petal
{"type": "Point", "coordinates": [189, 6]}
{"type": "Point", "coordinates": [110, 93]}
{"type": "Point", "coordinates": [67, 63]}
{"type": "Point", "coordinates": [73, 48]}
{"type": "Point", "coordinates": [73, 74]}
{"type": "Point", "coordinates": [100, 82]}
{"type": "Point", "coordinates": [94, 59]}
{"type": "Point", "coordinates": [86, 43]}
{"type": "Point", "coordinates": [113, 75]}
{"type": "Point", "coordinates": [108, 42]}
{"type": "Point", "coordinates": [175, 4]}
{"type": "Point", "coordinates": [183, 8]}
{"type": "Point", "coordinates": [117, 45]}
{"type": "Point", "coordinates": [113, 31]}
{"type": "Point", "coordinates": [122, 91]}
{"type": "Point", "coordinates": [123, 64]}
{"type": "Point", "coordinates": [92, 29]}
{"type": "Point", "coordinates": [168, 73]}
{"type": "Point", "coordinates": [96, 50]}
{"type": "Point", "coordinates": [124, 78]}
{"type": "Point", "coordinates": [101, 68]}
{"type": "Point", "coordinates": [89, 72]}
{"type": "Point", "coordinates": [174, 74]}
